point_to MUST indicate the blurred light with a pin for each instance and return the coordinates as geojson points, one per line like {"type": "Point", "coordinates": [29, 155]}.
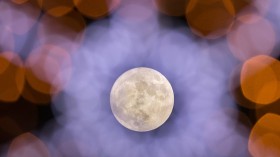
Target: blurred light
{"type": "Point", "coordinates": [96, 8]}
{"type": "Point", "coordinates": [19, 18]}
{"type": "Point", "coordinates": [178, 46]}
{"type": "Point", "coordinates": [236, 90]}
{"type": "Point", "coordinates": [11, 77]}
{"type": "Point", "coordinates": [4, 62]}
{"type": "Point", "coordinates": [240, 5]}
{"type": "Point", "coordinates": [264, 139]}
{"type": "Point", "coordinates": [250, 39]}
{"type": "Point", "coordinates": [136, 16]}
{"type": "Point", "coordinates": [19, 1]}
{"type": "Point", "coordinates": [34, 96]}
{"type": "Point", "coordinates": [56, 7]}
{"type": "Point", "coordinates": [260, 79]}
{"type": "Point", "coordinates": [27, 145]}
{"type": "Point", "coordinates": [7, 41]}
{"type": "Point", "coordinates": [271, 108]}
{"type": "Point", "coordinates": [253, 9]}
{"type": "Point", "coordinates": [172, 8]}
{"type": "Point", "coordinates": [66, 31]}
{"type": "Point", "coordinates": [210, 19]}
{"type": "Point", "coordinates": [64, 143]}
{"type": "Point", "coordinates": [193, 75]}
{"type": "Point", "coordinates": [48, 68]}
{"type": "Point", "coordinates": [226, 136]}
{"type": "Point", "coordinates": [136, 21]}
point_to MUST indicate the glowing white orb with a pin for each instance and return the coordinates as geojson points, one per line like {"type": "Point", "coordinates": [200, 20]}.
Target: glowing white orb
{"type": "Point", "coordinates": [142, 99]}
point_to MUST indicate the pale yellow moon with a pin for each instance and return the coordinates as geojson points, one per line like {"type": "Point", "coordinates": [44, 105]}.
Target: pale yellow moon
{"type": "Point", "coordinates": [142, 99]}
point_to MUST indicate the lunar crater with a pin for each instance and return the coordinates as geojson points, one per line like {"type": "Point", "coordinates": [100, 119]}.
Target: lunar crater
{"type": "Point", "coordinates": [141, 99]}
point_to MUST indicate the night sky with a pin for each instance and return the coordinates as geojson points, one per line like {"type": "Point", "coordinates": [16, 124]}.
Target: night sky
{"type": "Point", "coordinates": [60, 59]}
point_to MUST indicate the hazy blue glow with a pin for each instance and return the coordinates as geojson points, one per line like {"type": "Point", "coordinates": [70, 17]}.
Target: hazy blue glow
{"type": "Point", "coordinates": [197, 70]}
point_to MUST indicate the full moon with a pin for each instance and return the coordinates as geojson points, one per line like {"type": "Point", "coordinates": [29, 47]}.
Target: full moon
{"type": "Point", "coordinates": [142, 99]}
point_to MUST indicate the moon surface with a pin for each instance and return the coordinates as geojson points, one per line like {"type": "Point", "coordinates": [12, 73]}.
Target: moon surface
{"type": "Point", "coordinates": [142, 99]}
